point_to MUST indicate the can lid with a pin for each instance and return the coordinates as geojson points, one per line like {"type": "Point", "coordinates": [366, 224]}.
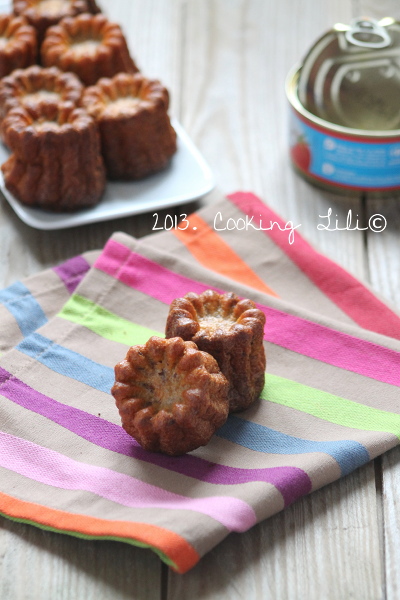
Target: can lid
{"type": "Point", "coordinates": [351, 76]}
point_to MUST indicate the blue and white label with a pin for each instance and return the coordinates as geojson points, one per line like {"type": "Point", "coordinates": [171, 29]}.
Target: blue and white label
{"type": "Point", "coordinates": [344, 161]}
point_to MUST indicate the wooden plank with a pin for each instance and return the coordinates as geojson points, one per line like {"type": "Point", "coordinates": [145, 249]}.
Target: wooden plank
{"type": "Point", "coordinates": [39, 564]}
{"type": "Point", "coordinates": [376, 10]}
{"type": "Point", "coordinates": [384, 250]}
{"type": "Point", "coordinates": [391, 516]}
{"type": "Point", "coordinates": [321, 547]}
{"type": "Point", "coordinates": [384, 267]}
{"type": "Point", "coordinates": [152, 29]}
{"type": "Point", "coordinates": [237, 55]}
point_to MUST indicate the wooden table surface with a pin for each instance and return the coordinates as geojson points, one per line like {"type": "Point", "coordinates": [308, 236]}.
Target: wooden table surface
{"type": "Point", "coordinates": [225, 62]}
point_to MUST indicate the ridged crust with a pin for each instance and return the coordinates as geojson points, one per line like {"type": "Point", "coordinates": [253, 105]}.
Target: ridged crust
{"type": "Point", "coordinates": [56, 162]}
{"type": "Point", "coordinates": [20, 51]}
{"type": "Point", "coordinates": [28, 88]}
{"type": "Point", "coordinates": [138, 138]}
{"type": "Point", "coordinates": [63, 47]}
{"type": "Point", "coordinates": [232, 331]}
{"type": "Point", "coordinates": [41, 19]}
{"type": "Point", "coordinates": [171, 396]}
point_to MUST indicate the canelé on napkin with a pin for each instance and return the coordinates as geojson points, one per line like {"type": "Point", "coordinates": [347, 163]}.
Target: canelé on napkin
{"type": "Point", "coordinates": [231, 330]}
{"type": "Point", "coordinates": [170, 395]}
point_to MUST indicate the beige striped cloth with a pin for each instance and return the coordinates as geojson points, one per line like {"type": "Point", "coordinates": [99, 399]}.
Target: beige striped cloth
{"type": "Point", "coordinates": [330, 402]}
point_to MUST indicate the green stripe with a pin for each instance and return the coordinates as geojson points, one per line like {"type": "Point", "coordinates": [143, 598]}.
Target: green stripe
{"type": "Point", "coordinates": [329, 407]}
{"type": "Point", "coordinates": [103, 322]}
{"type": "Point", "coordinates": [317, 403]}
{"type": "Point", "coordinates": [168, 561]}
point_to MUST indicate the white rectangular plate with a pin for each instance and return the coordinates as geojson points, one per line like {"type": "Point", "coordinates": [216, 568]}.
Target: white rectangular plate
{"type": "Point", "coordinates": [186, 178]}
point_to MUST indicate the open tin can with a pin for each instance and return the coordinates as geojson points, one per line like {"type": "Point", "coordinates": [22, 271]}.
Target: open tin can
{"type": "Point", "coordinates": [345, 108]}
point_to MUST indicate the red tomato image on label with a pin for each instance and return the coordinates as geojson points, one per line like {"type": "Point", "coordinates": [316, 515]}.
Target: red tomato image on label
{"type": "Point", "coordinates": [301, 154]}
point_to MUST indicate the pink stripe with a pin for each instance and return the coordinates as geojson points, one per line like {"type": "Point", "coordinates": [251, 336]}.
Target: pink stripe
{"type": "Point", "coordinates": [332, 347]}
{"type": "Point", "coordinates": [117, 254]}
{"type": "Point", "coordinates": [54, 469]}
{"type": "Point", "coordinates": [143, 274]}
{"type": "Point", "coordinates": [338, 285]}
{"type": "Point", "coordinates": [291, 332]}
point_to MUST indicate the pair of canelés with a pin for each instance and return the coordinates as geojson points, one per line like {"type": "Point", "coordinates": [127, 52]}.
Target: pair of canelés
{"type": "Point", "coordinates": [174, 393]}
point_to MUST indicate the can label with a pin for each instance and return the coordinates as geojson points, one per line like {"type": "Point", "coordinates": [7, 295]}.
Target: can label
{"type": "Point", "coordinates": [344, 160]}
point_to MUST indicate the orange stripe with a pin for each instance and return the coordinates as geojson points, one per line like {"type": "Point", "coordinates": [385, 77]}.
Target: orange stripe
{"type": "Point", "coordinates": [214, 253]}
{"type": "Point", "coordinates": [176, 548]}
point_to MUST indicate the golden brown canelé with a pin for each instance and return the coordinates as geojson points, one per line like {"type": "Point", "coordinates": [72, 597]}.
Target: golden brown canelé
{"type": "Point", "coordinates": [232, 331]}
{"type": "Point", "coordinates": [88, 45]}
{"type": "Point", "coordinates": [18, 44]}
{"type": "Point", "coordinates": [171, 396]}
{"type": "Point", "coordinates": [35, 85]}
{"type": "Point", "coordinates": [42, 14]}
{"type": "Point", "coordinates": [56, 162]}
{"type": "Point", "coordinates": [136, 133]}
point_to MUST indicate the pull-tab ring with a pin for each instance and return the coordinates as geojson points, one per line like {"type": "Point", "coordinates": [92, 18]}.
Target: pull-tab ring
{"type": "Point", "coordinates": [367, 33]}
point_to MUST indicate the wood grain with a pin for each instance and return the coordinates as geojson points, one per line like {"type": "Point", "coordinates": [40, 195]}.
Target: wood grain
{"type": "Point", "coordinates": [36, 564]}
{"type": "Point", "coordinates": [391, 516]}
{"type": "Point", "coordinates": [376, 10]}
{"type": "Point", "coordinates": [234, 106]}
{"type": "Point", "coordinates": [383, 251]}
{"type": "Point", "coordinates": [324, 546]}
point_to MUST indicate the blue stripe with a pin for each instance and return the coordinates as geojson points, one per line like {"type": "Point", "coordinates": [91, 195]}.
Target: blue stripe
{"type": "Point", "coordinates": [67, 362]}
{"type": "Point", "coordinates": [349, 454]}
{"type": "Point", "coordinates": [13, 292]}
{"type": "Point", "coordinates": [24, 308]}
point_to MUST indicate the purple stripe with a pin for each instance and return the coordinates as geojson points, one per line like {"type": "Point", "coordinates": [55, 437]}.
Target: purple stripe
{"type": "Point", "coordinates": [72, 271]}
{"type": "Point", "coordinates": [292, 482]}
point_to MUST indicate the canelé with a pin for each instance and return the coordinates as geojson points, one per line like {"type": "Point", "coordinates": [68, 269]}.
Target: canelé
{"type": "Point", "coordinates": [88, 45]}
{"type": "Point", "coordinates": [171, 396]}
{"type": "Point", "coordinates": [56, 162]}
{"type": "Point", "coordinates": [232, 331]}
{"type": "Point", "coordinates": [18, 44]}
{"type": "Point", "coordinates": [136, 133]}
{"type": "Point", "coordinates": [42, 14]}
{"type": "Point", "coordinates": [36, 85]}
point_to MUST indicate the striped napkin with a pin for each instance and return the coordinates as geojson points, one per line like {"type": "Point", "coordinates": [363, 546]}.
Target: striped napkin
{"type": "Point", "coordinates": [330, 402]}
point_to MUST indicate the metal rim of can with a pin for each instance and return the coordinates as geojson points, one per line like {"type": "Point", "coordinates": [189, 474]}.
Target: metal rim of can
{"type": "Point", "coordinates": [292, 96]}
